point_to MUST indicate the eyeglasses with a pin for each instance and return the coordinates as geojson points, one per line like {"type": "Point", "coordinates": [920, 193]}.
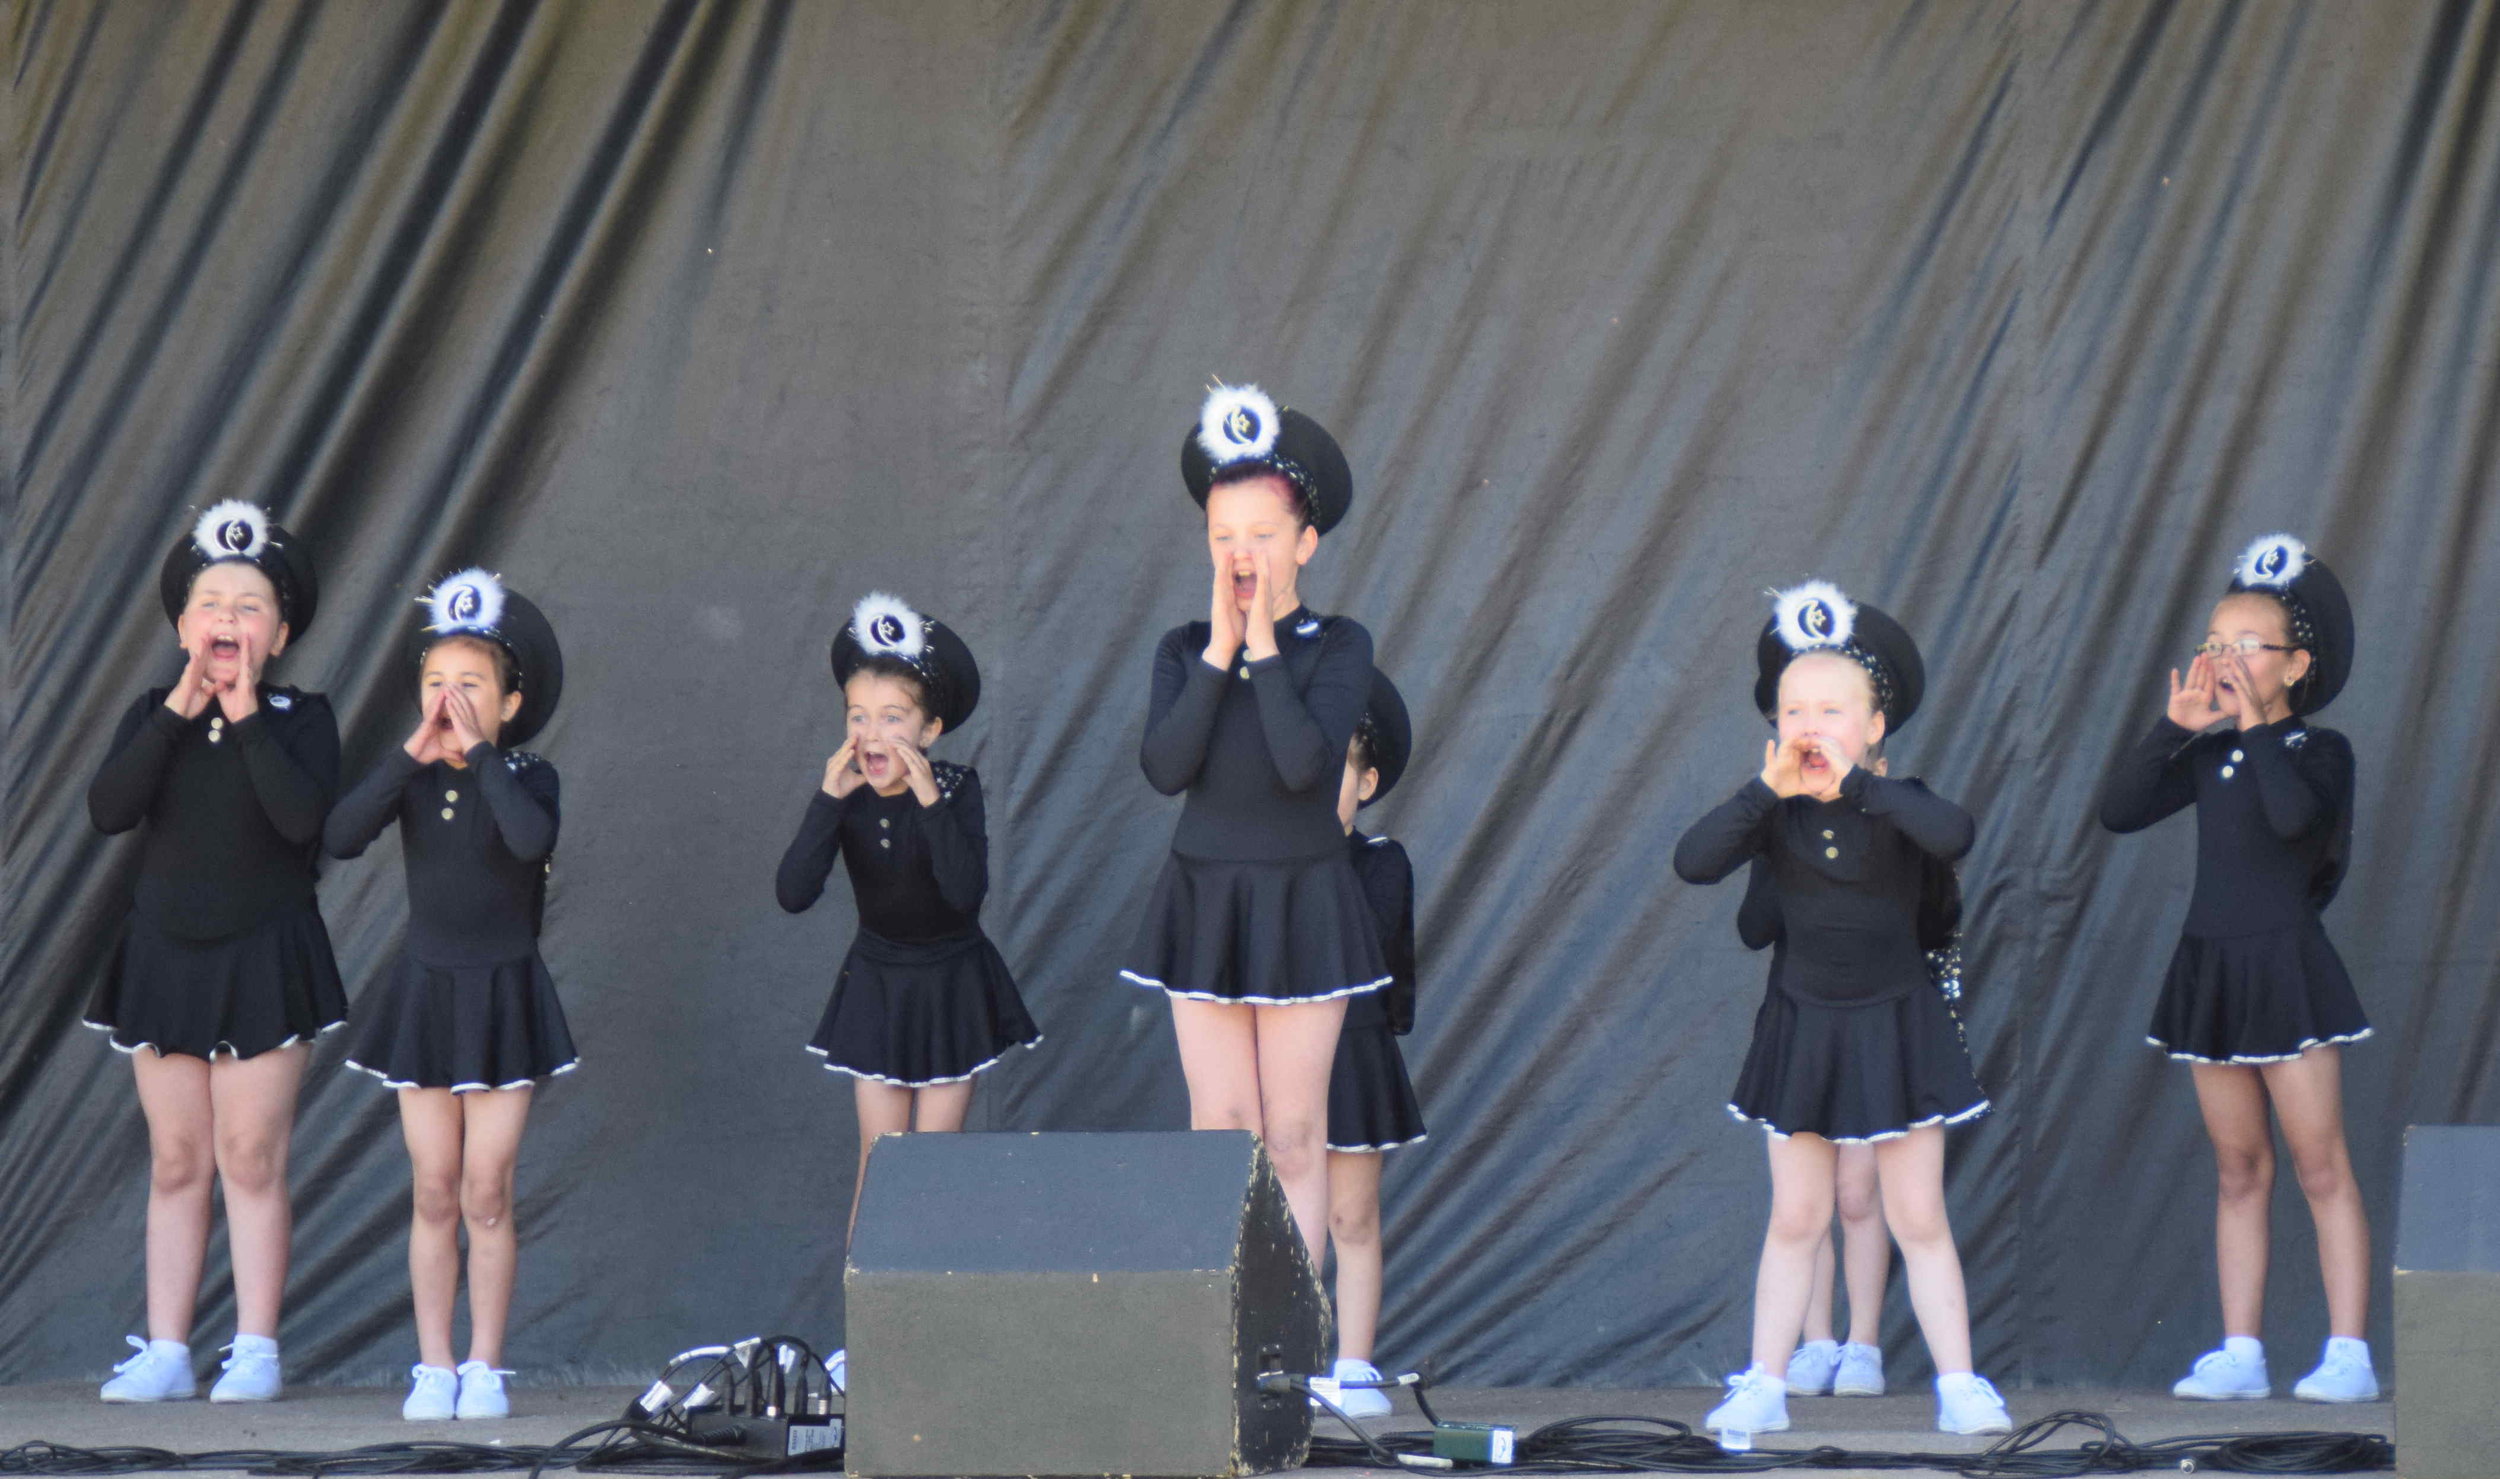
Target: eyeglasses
{"type": "Point", "coordinates": [2244, 647]}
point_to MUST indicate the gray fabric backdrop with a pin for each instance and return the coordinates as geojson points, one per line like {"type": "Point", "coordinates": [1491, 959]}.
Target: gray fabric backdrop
{"type": "Point", "coordinates": [696, 320]}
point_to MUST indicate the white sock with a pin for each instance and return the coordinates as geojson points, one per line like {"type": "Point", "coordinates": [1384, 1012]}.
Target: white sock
{"type": "Point", "coordinates": [162, 1346]}
{"type": "Point", "coordinates": [2245, 1348]}
{"type": "Point", "coordinates": [246, 1344]}
{"type": "Point", "coordinates": [2346, 1343]}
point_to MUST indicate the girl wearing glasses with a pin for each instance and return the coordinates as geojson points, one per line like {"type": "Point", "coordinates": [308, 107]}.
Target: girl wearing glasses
{"type": "Point", "coordinates": [2257, 1001]}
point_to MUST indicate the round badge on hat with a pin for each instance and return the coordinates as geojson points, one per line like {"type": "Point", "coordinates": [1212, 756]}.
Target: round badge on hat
{"type": "Point", "coordinates": [887, 626]}
{"type": "Point", "coordinates": [1241, 429]}
{"type": "Point", "coordinates": [1817, 617]}
{"type": "Point", "coordinates": [1392, 733]}
{"type": "Point", "coordinates": [239, 531]}
{"type": "Point", "coordinates": [2283, 567]}
{"type": "Point", "coordinates": [476, 603]}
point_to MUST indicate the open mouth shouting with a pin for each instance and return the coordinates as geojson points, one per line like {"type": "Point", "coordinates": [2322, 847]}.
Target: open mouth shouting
{"type": "Point", "coordinates": [225, 649]}
{"type": "Point", "coordinates": [878, 764]}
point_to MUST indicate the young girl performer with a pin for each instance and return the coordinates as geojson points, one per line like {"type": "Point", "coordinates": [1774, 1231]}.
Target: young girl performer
{"type": "Point", "coordinates": [1257, 928]}
{"type": "Point", "coordinates": [1853, 1043]}
{"type": "Point", "coordinates": [224, 970]}
{"type": "Point", "coordinates": [467, 1022]}
{"type": "Point", "coordinates": [2257, 999]}
{"type": "Point", "coordinates": [923, 1002]}
{"type": "Point", "coordinates": [1371, 1104]}
{"type": "Point", "coordinates": [1822, 1365]}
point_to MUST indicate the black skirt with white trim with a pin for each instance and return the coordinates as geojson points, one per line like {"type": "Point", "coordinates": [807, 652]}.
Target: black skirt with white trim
{"type": "Point", "coordinates": [1371, 1102]}
{"type": "Point", "coordinates": [463, 1028]}
{"type": "Point", "coordinates": [1856, 1074]}
{"type": "Point", "coordinates": [271, 986]}
{"type": "Point", "coordinates": [1266, 933]}
{"type": "Point", "coordinates": [920, 1014]}
{"type": "Point", "coordinates": [2251, 999]}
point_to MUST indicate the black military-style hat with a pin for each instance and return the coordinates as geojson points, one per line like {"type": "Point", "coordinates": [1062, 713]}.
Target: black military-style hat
{"type": "Point", "coordinates": [1389, 735]}
{"type": "Point", "coordinates": [1240, 429]}
{"type": "Point", "coordinates": [474, 603]}
{"type": "Point", "coordinates": [1816, 617]}
{"type": "Point", "coordinates": [2280, 566]}
{"type": "Point", "coordinates": [885, 626]}
{"type": "Point", "coordinates": [235, 530]}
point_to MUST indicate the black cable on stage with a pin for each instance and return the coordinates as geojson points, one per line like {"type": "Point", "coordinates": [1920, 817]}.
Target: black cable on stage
{"type": "Point", "coordinates": [704, 1427]}
{"type": "Point", "coordinates": [1626, 1445]}
{"type": "Point", "coordinates": [1579, 1445]}
{"type": "Point", "coordinates": [623, 1446]}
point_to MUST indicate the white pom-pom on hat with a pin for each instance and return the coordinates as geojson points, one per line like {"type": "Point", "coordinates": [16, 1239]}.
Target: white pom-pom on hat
{"type": "Point", "coordinates": [1813, 615]}
{"type": "Point", "coordinates": [1238, 422]}
{"type": "Point", "coordinates": [2272, 562]}
{"type": "Point", "coordinates": [232, 530]}
{"type": "Point", "coordinates": [885, 624]}
{"type": "Point", "coordinates": [471, 600]}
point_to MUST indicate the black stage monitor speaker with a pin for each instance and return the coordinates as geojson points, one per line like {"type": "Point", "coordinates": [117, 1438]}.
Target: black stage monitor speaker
{"type": "Point", "coordinates": [1077, 1305]}
{"type": "Point", "coordinates": [2448, 1303]}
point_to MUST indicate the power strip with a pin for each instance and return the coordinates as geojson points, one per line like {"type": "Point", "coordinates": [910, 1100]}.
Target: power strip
{"type": "Point", "coordinates": [768, 1437]}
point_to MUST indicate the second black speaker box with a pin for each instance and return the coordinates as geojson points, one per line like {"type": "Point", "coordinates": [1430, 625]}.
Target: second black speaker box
{"type": "Point", "coordinates": [2448, 1303]}
{"type": "Point", "coordinates": [1077, 1304]}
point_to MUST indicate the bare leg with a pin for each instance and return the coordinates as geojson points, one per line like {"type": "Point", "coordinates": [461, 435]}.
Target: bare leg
{"type": "Point", "coordinates": [1818, 1323]}
{"type": "Point", "coordinates": [1354, 1229]}
{"type": "Point", "coordinates": [1867, 1242]}
{"type": "Point", "coordinates": [173, 1095]}
{"type": "Point", "coordinates": [252, 1102]}
{"type": "Point", "coordinates": [941, 1108]}
{"type": "Point", "coordinates": [1910, 1172]}
{"type": "Point", "coordinates": [1801, 1222]}
{"type": "Point", "coordinates": [1297, 1048]}
{"type": "Point", "coordinates": [1220, 1059]}
{"type": "Point", "coordinates": [2308, 1094]}
{"type": "Point", "coordinates": [490, 1147]}
{"type": "Point", "coordinates": [884, 1109]}
{"type": "Point", "coordinates": [429, 1121]}
{"type": "Point", "coordinates": [2233, 1098]}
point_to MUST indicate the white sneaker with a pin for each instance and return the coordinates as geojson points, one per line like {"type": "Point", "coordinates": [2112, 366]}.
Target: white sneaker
{"type": "Point", "coordinates": [2234, 1373]}
{"type": "Point", "coordinates": [838, 1367]}
{"type": "Point", "coordinates": [1861, 1371]}
{"type": "Point", "coordinates": [1811, 1369]}
{"type": "Point", "coordinates": [1966, 1404]}
{"type": "Point", "coordinates": [431, 1394]}
{"type": "Point", "coordinates": [161, 1372]}
{"type": "Point", "coordinates": [2343, 1375]}
{"type": "Point", "coordinates": [481, 1392]}
{"type": "Point", "coordinates": [251, 1369]}
{"type": "Point", "coordinates": [1355, 1401]}
{"type": "Point", "coordinates": [1757, 1402]}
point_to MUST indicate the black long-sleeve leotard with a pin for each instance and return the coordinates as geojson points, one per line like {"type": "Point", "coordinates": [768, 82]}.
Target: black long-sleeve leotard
{"type": "Point", "coordinates": [475, 841]}
{"type": "Point", "coordinates": [1258, 747]}
{"type": "Point", "coordinates": [919, 873]}
{"type": "Point", "coordinates": [1758, 917]}
{"type": "Point", "coordinates": [233, 811]}
{"type": "Point", "coordinates": [2274, 812]}
{"type": "Point", "coordinates": [1847, 877]}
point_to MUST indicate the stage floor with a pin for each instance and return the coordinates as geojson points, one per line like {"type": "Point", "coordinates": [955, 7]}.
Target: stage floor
{"type": "Point", "coordinates": [313, 1418]}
